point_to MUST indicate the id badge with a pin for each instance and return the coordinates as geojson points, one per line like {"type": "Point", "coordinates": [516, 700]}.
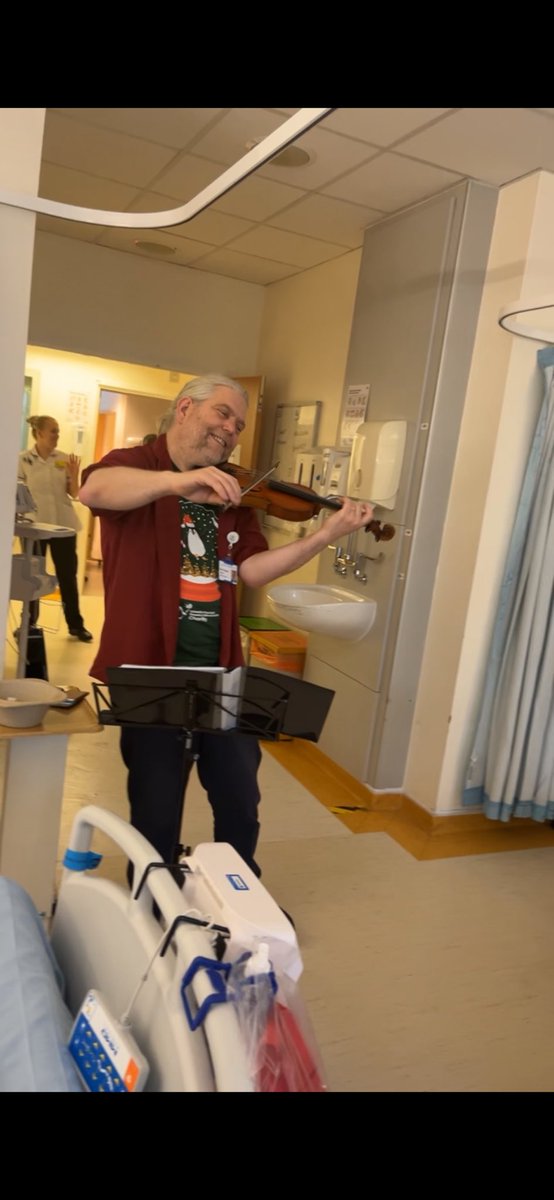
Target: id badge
{"type": "Point", "coordinates": [228, 571]}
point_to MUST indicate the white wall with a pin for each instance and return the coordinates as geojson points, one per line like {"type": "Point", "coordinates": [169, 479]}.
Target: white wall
{"type": "Point", "coordinates": [21, 131]}
{"type": "Point", "coordinates": [304, 343]}
{"type": "Point", "coordinates": [93, 300]}
{"type": "Point", "coordinates": [501, 407]}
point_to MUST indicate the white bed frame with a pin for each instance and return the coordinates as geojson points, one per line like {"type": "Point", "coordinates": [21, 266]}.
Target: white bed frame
{"type": "Point", "coordinates": [105, 939]}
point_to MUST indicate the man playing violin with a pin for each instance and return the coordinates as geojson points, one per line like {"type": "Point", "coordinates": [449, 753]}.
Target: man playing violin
{"type": "Point", "coordinates": [175, 542]}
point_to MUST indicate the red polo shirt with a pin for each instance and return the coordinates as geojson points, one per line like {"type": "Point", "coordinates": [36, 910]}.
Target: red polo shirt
{"type": "Point", "coordinates": [141, 566]}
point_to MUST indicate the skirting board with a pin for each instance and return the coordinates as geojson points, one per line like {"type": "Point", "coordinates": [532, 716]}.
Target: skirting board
{"type": "Point", "coordinates": [422, 834]}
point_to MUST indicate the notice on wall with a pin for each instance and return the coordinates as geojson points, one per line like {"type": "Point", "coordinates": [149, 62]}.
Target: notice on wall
{"type": "Point", "coordinates": [77, 408]}
{"type": "Point", "coordinates": [357, 399]}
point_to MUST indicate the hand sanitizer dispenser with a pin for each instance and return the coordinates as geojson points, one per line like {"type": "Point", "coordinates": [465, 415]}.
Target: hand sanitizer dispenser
{"type": "Point", "coordinates": [376, 462]}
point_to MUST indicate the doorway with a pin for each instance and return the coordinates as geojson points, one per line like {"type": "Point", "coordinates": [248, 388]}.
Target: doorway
{"type": "Point", "coordinates": [124, 419]}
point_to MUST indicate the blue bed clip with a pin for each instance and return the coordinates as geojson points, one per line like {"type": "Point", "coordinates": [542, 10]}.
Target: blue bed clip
{"type": "Point", "coordinates": [217, 974]}
{"type": "Point", "coordinates": [81, 860]}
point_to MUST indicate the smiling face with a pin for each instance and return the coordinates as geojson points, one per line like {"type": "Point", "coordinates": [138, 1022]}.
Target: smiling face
{"type": "Point", "coordinates": [205, 432]}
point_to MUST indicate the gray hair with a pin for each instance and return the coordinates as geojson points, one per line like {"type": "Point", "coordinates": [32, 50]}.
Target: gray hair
{"type": "Point", "coordinates": [197, 390]}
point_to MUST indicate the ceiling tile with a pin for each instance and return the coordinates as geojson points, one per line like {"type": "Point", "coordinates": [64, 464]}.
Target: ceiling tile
{"type": "Point", "coordinates": [257, 199]}
{"type": "Point", "coordinates": [390, 182]}
{"type": "Point", "coordinates": [380, 126]}
{"type": "Point", "coordinates": [148, 201]}
{"type": "Point", "coordinates": [286, 247]}
{"type": "Point", "coordinates": [168, 126]}
{"type": "Point", "coordinates": [124, 239]}
{"type": "Point", "coordinates": [88, 191]}
{"type": "Point", "coordinates": [227, 142]}
{"type": "Point", "coordinates": [214, 227]}
{"type": "Point", "coordinates": [330, 155]}
{"type": "Point", "coordinates": [187, 176]}
{"type": "Point", "coordinates": [244, 266]}
{"type": "Point", "coordinates": [327, 218]}
{"type": "Point", "coordinates": [495, 145]}
{"type": "Point", "coordinates": [101, 152]}
{"type": "Point", "coordinates": [74, 229]}
{"type": "Point", "coordinates": [366, 163]}
{"type": "Point", "coordinates": [209, 226]}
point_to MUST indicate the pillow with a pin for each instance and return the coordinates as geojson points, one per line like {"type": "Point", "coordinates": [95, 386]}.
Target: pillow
{"type": "Point", "coordinates": [35, 1024]}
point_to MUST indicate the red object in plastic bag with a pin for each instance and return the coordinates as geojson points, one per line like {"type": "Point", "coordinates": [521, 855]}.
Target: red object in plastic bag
{"type": "Point", "coordinates": [284, 1062]}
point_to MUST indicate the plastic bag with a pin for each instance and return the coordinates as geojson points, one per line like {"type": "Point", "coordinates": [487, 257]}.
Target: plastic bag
{"type": "Point", "coordinates": [281, 1050]}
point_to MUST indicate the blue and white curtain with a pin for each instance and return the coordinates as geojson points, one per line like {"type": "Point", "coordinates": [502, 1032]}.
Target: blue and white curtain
{"type": "Point", "coordinates": [511, 769]}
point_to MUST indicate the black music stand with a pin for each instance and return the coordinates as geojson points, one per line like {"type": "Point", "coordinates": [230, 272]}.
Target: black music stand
{"type": "Point", "coordinates": [195, 700]}
{"type": "Point", "coordinates": [247, 700]}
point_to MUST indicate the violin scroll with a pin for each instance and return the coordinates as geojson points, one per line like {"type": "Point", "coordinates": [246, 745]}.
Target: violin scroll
{"type": "Point", "coordinates": [381, 533]}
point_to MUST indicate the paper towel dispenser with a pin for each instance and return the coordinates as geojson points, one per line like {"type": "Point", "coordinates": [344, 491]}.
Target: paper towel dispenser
{"type": "Point", "coordinates": [376, 462]}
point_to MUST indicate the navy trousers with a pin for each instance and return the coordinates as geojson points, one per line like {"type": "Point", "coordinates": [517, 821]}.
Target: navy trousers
{"type": "Point", "coordinates": [159, 766]}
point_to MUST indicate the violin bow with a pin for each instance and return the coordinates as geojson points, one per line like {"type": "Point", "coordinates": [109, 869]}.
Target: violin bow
{"type": "Point", "coordinates": [258, 478]}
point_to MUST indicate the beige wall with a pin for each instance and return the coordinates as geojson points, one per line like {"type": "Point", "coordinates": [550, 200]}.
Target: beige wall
{"type": "Point", "coordinates": [21, 131]}
{"type": "Point", "coordinates": [304, 343]}
{"type": "Point", "coordinates": [93, 300]}
{"type": "Point", "coordinates": [501, 407]}
{"type": "Point", "coordinates": [304, 339]}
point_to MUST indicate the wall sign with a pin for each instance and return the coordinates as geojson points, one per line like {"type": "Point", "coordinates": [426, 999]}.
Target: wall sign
{"type": "Point", "coordinates": [355, 409]}
{"type": "Point", "coordinates": [77, 408]}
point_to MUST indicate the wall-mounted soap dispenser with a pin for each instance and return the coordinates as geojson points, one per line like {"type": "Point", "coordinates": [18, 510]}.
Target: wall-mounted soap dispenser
{"type": "Point", "coordinates": [376, 462]}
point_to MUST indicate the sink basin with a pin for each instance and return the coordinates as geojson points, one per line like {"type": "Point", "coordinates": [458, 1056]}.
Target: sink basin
{"type": "Point", "coordinates": [318, 608]}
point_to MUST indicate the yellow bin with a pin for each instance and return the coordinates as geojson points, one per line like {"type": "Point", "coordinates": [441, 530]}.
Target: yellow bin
{"type": "Point", "coordinates": [278, 650]}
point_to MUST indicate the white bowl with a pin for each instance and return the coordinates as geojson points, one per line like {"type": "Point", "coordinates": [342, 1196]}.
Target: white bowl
{"type": "Point", "coordinates": [24, 702]}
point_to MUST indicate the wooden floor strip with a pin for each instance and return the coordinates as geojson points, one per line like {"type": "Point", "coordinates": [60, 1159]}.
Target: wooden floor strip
{"type": "Point", "coordinates": [422, 834]}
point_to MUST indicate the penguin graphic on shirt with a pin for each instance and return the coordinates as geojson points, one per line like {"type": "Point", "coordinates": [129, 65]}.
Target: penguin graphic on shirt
{"type": "Point", "coordinates": [199, 564]}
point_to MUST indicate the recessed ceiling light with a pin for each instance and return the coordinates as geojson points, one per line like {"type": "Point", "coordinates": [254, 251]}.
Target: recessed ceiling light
{"type": "Point", "coordinates": [154, 247]}
{"type": "Point", "coordinates": [291, 156]}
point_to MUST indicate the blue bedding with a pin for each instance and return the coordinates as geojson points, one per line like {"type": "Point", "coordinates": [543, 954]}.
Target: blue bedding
{"type": "Point", "coordinates": [34, 1021]}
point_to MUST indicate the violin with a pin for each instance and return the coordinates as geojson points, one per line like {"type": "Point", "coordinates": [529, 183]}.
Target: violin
{"type": "Point", "coordinates": [292, 501]}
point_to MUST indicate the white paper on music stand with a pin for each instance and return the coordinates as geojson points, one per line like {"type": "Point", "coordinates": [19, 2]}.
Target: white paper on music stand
{"type": "Point", "coordinates": [227, 692]}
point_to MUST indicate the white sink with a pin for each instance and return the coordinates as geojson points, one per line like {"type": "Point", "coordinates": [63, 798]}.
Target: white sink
{"type": "Point", "coordinates": [318, 608]}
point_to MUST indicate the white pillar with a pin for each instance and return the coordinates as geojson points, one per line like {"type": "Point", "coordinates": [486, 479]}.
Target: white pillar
{"type": "Point", "coordinates": [21, 134]}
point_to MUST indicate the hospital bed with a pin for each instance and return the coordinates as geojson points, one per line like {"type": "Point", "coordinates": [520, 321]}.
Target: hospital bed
{"type": "Point", "coordinates": [151, 954]}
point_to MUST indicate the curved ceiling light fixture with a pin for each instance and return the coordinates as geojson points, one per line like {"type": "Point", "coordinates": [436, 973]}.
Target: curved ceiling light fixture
{"type": "Point", "coordinates": [291, 129]}
{"type": "Point", "coordinates": [508, 318]}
